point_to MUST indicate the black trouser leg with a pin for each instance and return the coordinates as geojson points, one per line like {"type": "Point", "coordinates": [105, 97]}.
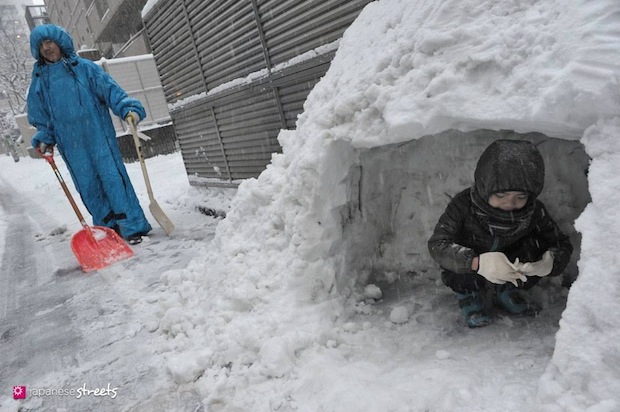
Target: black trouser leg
{"type": "Point", "coordinates": [467, 283]}
{"type": "Point", "coordinates": [463, 282]}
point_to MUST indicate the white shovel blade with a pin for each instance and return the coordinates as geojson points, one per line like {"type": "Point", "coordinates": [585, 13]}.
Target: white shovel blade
{"type": "Point", "coordinates": [161, 217]}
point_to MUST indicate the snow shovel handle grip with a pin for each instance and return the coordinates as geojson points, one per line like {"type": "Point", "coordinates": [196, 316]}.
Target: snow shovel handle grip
{"type": "Point", "coordinates": [48, 156]}
{"type": "Point", "coordinates": [50, 159]}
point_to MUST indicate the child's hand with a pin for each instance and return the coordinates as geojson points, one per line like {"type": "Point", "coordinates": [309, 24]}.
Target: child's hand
{"type": "Point", "coordinates": [540, 268]}
{"type": "Point", "coordinates": [496, 268]}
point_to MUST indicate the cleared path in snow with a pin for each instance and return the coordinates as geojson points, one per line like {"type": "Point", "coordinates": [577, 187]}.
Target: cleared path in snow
{"type": "Point", "coordinates": [62, 329]}
{"type": "Point", "coordinates": [35, 331]}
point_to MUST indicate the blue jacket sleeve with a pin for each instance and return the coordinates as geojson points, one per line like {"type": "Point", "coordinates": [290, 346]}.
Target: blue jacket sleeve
{"type": "Point", "coordinates": [109, 91]}
{"type": "Point", "coordinates": [38, 115]}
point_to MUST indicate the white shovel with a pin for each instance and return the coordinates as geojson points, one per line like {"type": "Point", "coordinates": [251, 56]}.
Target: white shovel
{"type": "Point", "coordinates": [156, 211]}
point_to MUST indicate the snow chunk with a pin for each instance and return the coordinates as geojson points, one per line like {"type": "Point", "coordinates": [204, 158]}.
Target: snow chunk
{"type": "Point", "coordinates": [399, 314]}
{"type": "Point", "coordinates": [276, 358]}
{"type": "Point", "coordinates": [372, 292]}
{"type": "Point", "coordinates": [188, 366]}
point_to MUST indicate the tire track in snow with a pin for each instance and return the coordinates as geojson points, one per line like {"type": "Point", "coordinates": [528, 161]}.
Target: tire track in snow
{"type": "Point", "coordinates": [17, 270]}
{"type": "Point", "coordinates": [35, 324]}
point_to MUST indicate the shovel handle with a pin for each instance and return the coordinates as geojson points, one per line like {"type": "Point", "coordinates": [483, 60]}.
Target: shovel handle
{"type": "Point", "coordinates": [136, 141]}
{"type": "Point", "coordinates": [50, 159]}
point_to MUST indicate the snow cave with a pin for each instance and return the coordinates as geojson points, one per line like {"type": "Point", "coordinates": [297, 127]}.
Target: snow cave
{"type": "Point", "coordinates": [398, 192]}
{"type": "Point", "coordinates": [414, 94]}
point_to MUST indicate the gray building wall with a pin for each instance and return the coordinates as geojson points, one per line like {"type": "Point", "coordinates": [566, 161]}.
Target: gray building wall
{"type": "Point", "coordinates": [36, 16]}
{"type": "Point", "coordinates": [237, 72]}
{"type": "Point", "coordinates": [106, 25]}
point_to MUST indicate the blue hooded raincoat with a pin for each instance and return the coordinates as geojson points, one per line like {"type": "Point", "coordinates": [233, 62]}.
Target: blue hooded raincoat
{"type": "Point", "coordinates": [68, 103]}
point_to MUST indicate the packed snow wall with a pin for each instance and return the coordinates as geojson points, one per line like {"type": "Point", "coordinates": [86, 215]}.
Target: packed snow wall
{"type": "Point", "coordinates": [395, 127]}
{"type": "Point", "coordinates": [400, 190]}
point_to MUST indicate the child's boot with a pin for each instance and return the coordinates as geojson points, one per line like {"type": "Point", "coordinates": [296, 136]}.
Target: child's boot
{"type": "Point", "coordinates": [508, 297]}
{"type": "Point", "coordinates": [472, 307]}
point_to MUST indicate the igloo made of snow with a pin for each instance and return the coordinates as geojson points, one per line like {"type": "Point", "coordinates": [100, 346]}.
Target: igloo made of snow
{"type": "Point", "coordinates": [395, 128]}
{"type": "Point", "coordinates": [417, 90]}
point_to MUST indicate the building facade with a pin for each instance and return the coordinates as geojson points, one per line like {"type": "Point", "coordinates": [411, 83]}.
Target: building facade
{"type": "Point", "coordinates": [114, 27]}
{"type": "Point", "coordinates": [36, 16]}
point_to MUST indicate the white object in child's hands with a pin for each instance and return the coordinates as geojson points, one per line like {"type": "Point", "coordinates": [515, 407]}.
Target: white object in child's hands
{"type": "Point", "coordinates": [496, 268]}
{"type": "Point", "coordinates": [540, 268]}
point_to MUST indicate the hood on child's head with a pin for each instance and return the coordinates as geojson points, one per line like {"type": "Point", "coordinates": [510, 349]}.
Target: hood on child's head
{"type": "Point", "coordinates": [510, 165]}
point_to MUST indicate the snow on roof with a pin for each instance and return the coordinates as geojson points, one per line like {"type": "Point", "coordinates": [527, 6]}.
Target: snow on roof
{"type": "Point", "coordinates": [148, 6]}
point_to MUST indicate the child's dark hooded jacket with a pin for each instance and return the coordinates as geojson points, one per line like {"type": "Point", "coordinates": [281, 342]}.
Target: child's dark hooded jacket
{"type": "Point", "coordinates": [470, 227]}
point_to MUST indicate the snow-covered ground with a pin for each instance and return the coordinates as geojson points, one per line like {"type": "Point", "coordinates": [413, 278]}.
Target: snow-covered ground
{"type": "Point", "coordinates": [63, 329]}
{"type": "Point", "coordinates": [308, 297]}
{"type": "Point", "coordinates": [121, 326]}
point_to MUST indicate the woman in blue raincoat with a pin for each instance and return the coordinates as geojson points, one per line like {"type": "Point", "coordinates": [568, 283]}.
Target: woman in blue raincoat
{"type": "Point", "coordinates": [68, 103]}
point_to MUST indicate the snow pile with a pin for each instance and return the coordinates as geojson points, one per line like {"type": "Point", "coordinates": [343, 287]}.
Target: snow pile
{"type": "Point", "coordinates": [272, 292]}
{"type": "Point", "coordinates": [471, 65]}
{"type": "Point", "coordinates": [585, 368]}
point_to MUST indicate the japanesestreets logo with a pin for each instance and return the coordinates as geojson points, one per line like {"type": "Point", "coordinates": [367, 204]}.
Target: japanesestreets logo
{"type": "Point", "coordinates": [19, 392]}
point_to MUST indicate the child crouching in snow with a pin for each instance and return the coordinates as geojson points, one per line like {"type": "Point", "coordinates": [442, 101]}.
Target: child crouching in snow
{"type": "Point", "coordinates": [497, 234]}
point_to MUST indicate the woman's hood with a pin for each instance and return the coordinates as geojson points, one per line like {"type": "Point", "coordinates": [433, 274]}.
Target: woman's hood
{"type": "Point", "coordinates": [51, 32]}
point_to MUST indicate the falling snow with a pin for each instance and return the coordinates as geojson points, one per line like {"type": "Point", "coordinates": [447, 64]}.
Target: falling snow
{"type": "Point", "coordinates": [270, 309]}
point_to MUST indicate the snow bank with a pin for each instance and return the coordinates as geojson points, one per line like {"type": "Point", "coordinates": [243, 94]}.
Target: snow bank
{"type": "Point", "coordinates": [585, 369]}
{"type": "Point", "coordinates": [404, 70]}
{"type": "Point", "coordinates": [409, 70]}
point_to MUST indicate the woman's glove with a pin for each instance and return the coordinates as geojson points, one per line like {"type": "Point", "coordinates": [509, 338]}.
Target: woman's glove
{"type": "Point", "coordinates": [42, 141]}
{"type": "Point", "coordinates": [496, 268]}
{"type": "Point", "coordinates": [46, 149]}
{"type": "Point", "coordinates": [133, 116]}
{"type": "Point", "coordinates": [540, 268]}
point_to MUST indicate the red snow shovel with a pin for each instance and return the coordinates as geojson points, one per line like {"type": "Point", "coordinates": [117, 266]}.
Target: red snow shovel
{"type": "Point", "coordinates": [97, 247]}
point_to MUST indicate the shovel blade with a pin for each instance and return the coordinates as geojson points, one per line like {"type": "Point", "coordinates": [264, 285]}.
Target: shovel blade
{"type": "Point", "coordinates": [98, 247]}
{"type": "Point", "coordinates": [161, 217]}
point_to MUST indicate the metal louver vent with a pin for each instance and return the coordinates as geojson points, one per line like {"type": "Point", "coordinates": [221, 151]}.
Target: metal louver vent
{"type": "Point", "coordinates": [226, 74]}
